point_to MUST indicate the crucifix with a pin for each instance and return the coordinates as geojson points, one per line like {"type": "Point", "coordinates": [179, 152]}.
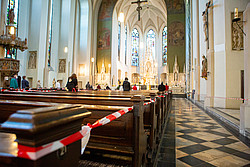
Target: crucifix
{"type": "Point", "coordinates": [139, 8]}
{"type": "Point", "coordinates": [205, 21]}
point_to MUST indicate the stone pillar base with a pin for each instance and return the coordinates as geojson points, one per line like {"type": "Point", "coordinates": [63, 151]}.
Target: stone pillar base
{"type": "Point", "coordinates": [244, 118]}
{"type": "Point", "coordinates": [197, 97]}
{"type": "Point", "coordinates": [209, 102]}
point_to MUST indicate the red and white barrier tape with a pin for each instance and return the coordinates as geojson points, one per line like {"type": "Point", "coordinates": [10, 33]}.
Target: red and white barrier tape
{"type": "Point", "coordinates": [161, 96]}
{"type": "Point", "coordinates": [35, 153]}
{"type": "Point", "coordinates": [151, 101]}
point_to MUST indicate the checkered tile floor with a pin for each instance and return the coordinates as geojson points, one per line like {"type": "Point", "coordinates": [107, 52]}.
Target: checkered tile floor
{"type": "Point", "coordinates": [201, 141]}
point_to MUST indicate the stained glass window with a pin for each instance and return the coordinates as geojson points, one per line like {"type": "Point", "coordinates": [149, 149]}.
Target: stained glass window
{"type": "Point", "coordinates": [126, 34]}
{"type": "Point", "coordinates": [12, 5]}
{"type": "Point", "coordinates": [151, 43]}
{"type": "Point", "coordinates": [164, 47]}
{"type": "Point", "coordinates": [50, 34]}
{"type": "Point", "coordinates": [119, 40]}
{"type": "Point", "coordinates": [135, 47]}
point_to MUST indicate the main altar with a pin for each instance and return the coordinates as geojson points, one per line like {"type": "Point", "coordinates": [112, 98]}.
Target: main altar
{"type": "Point", "coordinates": [148, 69]}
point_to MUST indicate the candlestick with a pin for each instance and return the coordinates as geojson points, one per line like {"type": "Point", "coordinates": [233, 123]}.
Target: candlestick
{"type": "Point", "coordinates": [236, 14]}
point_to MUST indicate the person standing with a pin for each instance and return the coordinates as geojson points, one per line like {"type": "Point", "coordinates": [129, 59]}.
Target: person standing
{"type": "Point", "coordinates": [25, 83]}
{"type": "Point", "coordinates": [13, 82]}
{"type": "Point", "coordinates": [161, 87]}
{"type": "Point", "coordinates": [87, 86]}
{"type": "Point", "coordinates": [126, 85]}
{"type": "Point", "coordinates": [58, 85]}
{"type": "Point", "coordinates": [38, 85]}
{"type": "Point", "coordinates": [74, 80]}
{"type": "Point", "coordinates": [72, 83]}
{"type": "Point", "coordinates": [167, 87]}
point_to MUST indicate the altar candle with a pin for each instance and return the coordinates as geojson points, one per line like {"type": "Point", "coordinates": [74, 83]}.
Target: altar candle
{"type": "Point", "coordinates": [236, 14]}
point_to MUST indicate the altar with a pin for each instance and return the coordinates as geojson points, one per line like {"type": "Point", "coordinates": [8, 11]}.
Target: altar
{"type": "Point", "coordinates": [178, 90]}
{"type": "Point", "coordinates": [103, 78]}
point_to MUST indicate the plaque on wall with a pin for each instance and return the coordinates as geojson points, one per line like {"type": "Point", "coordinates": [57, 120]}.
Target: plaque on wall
{"type": "Point", "coordinates": [237, 34]}
{"type": "Point", "coordinates": [32, 60]}
{"type": "Point", "coordinates": [62, 66]}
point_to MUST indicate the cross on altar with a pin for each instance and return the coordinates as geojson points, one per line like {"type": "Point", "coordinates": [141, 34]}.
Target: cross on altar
{"type": "Point", "coordinates": [139, 8]}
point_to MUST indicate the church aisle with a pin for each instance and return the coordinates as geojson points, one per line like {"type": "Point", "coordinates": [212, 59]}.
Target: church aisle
{"type": "Point", "coordinates": [199, 140]}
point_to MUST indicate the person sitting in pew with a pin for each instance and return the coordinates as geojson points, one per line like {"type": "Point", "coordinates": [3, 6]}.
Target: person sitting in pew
{"type": "Point", "coordinates": [126, 85]}
{"type": "Point", "coordinates": [98, 87]}
{"type": "Point", "coordinates": [135, 87]}
{"type": "Point", "coordinates": [108, 88]}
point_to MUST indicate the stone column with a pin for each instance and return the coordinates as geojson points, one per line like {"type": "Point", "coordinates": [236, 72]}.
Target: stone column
{"type": "Point", "coordinates": [3, 17]}
{"type": "Point", "coordinates": [197, 71]}
{"type": "Point", "coordinates": [245, 108]}
{"type": "Point", "coordinates": [46, 68]}
{"type": "Point", "coordinates": [209, 102]}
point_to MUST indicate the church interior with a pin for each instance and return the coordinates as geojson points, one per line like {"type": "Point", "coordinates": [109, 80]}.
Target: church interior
{"type": "Point", "coordinates": [64, 69]}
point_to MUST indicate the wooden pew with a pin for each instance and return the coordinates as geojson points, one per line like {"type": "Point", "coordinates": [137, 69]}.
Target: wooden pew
{"type": "Point", "coordinates": [134, 141]}
{"type": "Point", "coordinates": [35, 124]}
{"type": "Point", "coordinates": [161, 111]}
{"type": "Point", "coordinates": [153, 115]}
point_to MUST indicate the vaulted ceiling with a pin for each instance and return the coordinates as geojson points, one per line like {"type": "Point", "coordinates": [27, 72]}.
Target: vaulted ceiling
{"type": "Point", "coordinates": [153, 13]}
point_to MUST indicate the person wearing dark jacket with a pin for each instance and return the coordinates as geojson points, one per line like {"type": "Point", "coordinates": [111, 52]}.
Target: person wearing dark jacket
{"type": "Point", "coordinates": [25, 83]}
{"type": "Point", "coordinates": [87, 86]}
{"type": "Point", "coordinates": [72, 84]}
{"type": "Point", "coordinates": [161, 87]}
{"type": "Point", "coordinates": [126, 85]}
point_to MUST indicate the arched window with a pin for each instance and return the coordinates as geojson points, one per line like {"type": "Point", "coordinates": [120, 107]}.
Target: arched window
{"type": "Point", "coordinates": [126, 35]}
{"type": "Point", "coordinates": [12, 4]}
{"type": "Point", "coordinates": [151, 43]}
{"type": "Point", "coordinates": [50, 32]}
{"type": "Point", "coordinates": [119, 41]}
{"type": "Point", "coordinates": [164, 46]}
{"type": "Point", "coordinates": [135, 47]}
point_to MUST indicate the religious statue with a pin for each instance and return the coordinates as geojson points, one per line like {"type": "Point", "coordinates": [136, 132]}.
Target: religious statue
{"type": "Point", "coordinates": [32, 60]}
{"type": "Point", "coordinates": [205, 25]}
{"type": "Point", "coordinates": [205, 20]}
{"type": "Point", "coordinates": [237, 34]}
{"type": "Point", "coordinates": [11, 16]}
{"type": "Point", "coordinates": [54, 83]}
{"type": "Point", "coordinates": [62, 65]}
{"type": "Point", "coordinates": [204, 67]}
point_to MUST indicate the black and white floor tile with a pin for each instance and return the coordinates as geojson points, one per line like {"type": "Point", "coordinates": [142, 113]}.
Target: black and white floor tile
{"type": "Point", "coordinates": [199, 140]}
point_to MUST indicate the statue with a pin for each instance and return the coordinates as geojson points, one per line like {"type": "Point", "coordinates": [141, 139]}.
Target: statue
{"type": "Point", "coordinates": [62, 65]}
{"type": "Point", "coordinates": [205, 20]}
{"type": "Point", "coordinates": [54, 83]}
{"type": "Point", "coordinates": [204, 68]}
{"type": "Point", "coordinates": [11, 16]}
{"type": "Point", "coordinates": [205, 25]}
{"type": "Point", "coordinates": [32, 60]}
